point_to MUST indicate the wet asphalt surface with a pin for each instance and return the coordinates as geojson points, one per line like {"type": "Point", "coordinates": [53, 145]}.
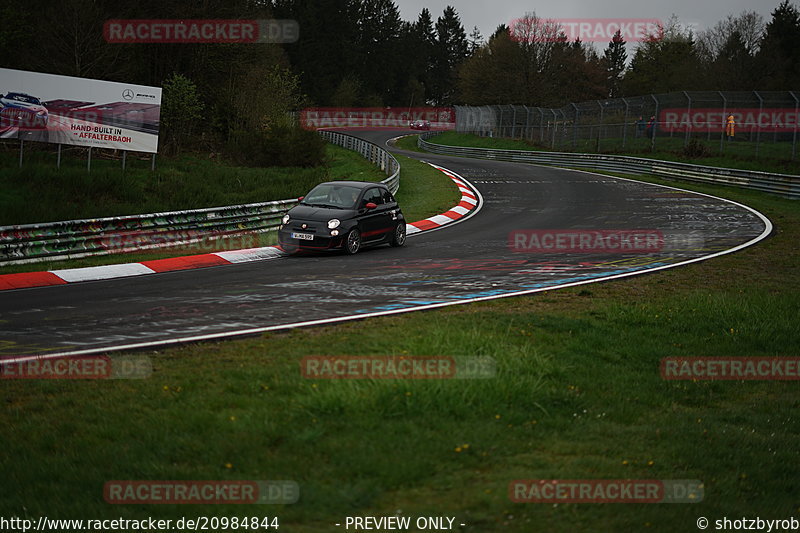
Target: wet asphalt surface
{"type": "Point", "coordinates": [457, 264]}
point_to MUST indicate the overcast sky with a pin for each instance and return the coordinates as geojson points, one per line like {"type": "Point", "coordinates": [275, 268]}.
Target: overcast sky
{"type": "Point", "coordinates": [488, 15]}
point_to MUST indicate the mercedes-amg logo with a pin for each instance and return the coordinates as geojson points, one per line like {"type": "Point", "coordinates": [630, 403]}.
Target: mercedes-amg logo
{"type": "Point", "coordinates": [127, 94]}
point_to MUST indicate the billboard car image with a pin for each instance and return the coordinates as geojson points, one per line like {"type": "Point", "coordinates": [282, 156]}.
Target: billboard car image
{"type": "Point", "coordinates": [20, 109]}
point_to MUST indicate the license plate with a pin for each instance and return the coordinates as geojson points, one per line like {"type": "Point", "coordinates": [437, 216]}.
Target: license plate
{"type": "Point", "coordinates": [303, 236]}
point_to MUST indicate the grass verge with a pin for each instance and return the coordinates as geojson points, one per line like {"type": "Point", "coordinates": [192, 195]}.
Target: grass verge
{"type": "Point", "coordinates": [577, 396]}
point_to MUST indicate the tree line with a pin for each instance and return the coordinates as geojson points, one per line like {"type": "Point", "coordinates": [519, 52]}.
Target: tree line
{"type": "Point", "coordinates": [533, 63]}
{"type": "Point", "coordinates": [361, 53]}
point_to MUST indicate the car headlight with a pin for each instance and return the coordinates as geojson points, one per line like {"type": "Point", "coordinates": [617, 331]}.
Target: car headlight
{"type": "Point", "coordinates": [333, 223]}
{"type": "Point", "coordinates": [285, 219]}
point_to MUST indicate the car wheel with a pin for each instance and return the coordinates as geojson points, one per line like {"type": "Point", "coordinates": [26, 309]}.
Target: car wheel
{"type": "Point", "coordinates": [352, 243]}
{"type": "Point", "coordinates": [399, 237]}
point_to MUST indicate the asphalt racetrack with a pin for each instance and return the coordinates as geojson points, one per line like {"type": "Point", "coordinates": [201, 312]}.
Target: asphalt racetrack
{"type": "Point", "coordinates": [460, 263]}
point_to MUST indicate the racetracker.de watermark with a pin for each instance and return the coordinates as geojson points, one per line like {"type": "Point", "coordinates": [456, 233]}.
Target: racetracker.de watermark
{"type": "Point", "coordinates": [433, 118]}
{"type": "Point", "coordinates": [613, 241]}
{"type": "Point", "coordinates": [597, 30]}
{"type": "Point", "coordinates": [190, 241]}
{"type": "Point", "coordinates": [731, 368]}
{"type": "Point", "coordinates": [140, 31]}
{"type": "Point", "coordinates": [397, 367]}
{"type": "Point", "coordinates": [605, 491]}
{"type": "Point", "coordinates": [205, 492]}
{"type": "Point", "coordinates": [85, 367]}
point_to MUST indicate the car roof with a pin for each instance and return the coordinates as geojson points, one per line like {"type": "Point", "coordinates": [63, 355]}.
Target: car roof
{"type": "Point", "coordinates": [356, 184]}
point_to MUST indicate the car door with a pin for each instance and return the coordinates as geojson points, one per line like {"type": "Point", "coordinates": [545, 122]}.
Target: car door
{"type": "Point", "coordinates": [375, 223]}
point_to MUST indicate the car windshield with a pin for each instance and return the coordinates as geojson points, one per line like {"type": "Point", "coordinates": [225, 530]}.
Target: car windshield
{"type": "Point", "coordinates": [23, 98]}
{"type": "Point", "coordinates": [330, 195]}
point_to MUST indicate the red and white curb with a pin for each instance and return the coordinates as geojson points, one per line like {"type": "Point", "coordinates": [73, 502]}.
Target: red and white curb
{"type": "Point", "coordinates": [469, 204]}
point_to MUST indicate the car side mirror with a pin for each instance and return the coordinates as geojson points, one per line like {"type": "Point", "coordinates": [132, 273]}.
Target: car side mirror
{"type": "Point", "coordinates": [300, 199]}
{"type": "Point", "coordinates": [371, 205]}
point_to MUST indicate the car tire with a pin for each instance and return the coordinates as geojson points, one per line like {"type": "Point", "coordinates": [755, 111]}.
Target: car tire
{"type": "Point", "coordinates": [399, 235]}
{"type": "Point", "coordinates": [352, 242]}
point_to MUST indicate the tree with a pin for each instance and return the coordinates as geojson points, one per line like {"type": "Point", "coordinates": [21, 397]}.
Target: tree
{"type": "Point", "coordinates": [329, 47]}
{"type": "Point", "coordinates": [664, 63]}
{"type": "Point", "coordinates": [614, 59]}
{"type": "Point", "coordinates": [537, 39]}
{"type": "Point", "coordinates": [778, 58]}
{"type": "Point", "coordinates": [450, 51]}
{"type": "Point", "coordinates": [265, 98]}
{"type": "Point", "coordinates": [348, 93]}
{"type": "Point", "coordinates": [748, 24]}
{"type": "Point", "coordinates": [491, 75]}
{"type": "Point", "coordinates": [181, 109]}
{"type": "Point", "coordinates": [475, 40]}
{"type": "Point", "coordinates": [418, 41]}
{"type": "Point", "coordinates": [379, 28]}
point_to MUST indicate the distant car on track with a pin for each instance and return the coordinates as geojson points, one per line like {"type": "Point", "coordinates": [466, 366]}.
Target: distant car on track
{"type": "Point", "coordinates": [24, 110]}
{"type": "Point", "coordinates": [420, 124]}
{"type": "Point", "coordinates": [347, 215]}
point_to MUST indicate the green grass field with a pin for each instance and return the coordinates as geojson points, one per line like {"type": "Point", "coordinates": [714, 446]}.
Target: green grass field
{"type": "Point", "coordinates": [578, 395]}
{"type": "Point", "coordinates": [772, 158]}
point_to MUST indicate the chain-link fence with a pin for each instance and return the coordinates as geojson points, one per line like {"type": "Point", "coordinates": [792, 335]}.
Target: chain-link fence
{"type": "Point", "coordinates": [755, 123]}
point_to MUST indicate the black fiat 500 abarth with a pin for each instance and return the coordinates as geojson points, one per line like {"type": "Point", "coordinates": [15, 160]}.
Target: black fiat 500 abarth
{"type": "Point", "coordinates": [345, 215]}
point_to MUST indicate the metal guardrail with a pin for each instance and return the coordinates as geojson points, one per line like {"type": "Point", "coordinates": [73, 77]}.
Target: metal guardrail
{"type": "Point", "coordinates": [781, 184]}
{"type": "Point", "coordinates": [73, 239]}
{"type": "Point", "coordinates": [374, 153]}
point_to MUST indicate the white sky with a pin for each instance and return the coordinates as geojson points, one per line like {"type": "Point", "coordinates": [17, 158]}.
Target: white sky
{"type": "Point", "coordinates": [487, 16]}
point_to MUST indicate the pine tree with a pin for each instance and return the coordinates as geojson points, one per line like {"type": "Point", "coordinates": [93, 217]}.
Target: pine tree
{"type": "Point", "coordinates": [451, 50]}
{"type": "Point", "coordinates": [614, 57]}
{"type": "Point", "coordinates": [779, 55]}
{"type": "Point", "coordinates": [475, 40]}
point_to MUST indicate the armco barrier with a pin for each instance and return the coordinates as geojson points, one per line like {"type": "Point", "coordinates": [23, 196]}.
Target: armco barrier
{"type": "Point", "coordinates": [80, 238]}
{"type": "Point", "coordinates": [781, 184]}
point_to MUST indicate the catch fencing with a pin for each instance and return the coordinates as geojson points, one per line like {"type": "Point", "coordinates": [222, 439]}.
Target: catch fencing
{"type": "Point", "coordinates": [745, 123]}
{"type": "Point", "coordinates": [50, 241]}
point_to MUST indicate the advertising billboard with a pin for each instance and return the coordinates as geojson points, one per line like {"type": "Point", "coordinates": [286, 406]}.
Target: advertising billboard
{"type": "Point", "coordinates": [65, 110]}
